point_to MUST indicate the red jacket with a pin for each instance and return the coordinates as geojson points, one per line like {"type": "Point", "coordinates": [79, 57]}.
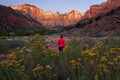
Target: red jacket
{"type": "Point", "coordinates": [61, 42]}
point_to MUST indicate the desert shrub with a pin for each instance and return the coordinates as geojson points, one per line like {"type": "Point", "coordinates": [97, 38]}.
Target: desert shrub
{"type": "Point", "coordinates": [95, 34]}
{"type": "Point", "coordinates": [27, 32]}
{"type": "Point", "coordinates": [117, 34]}
{"type": "Point", "coordinates": [12, 70]}
{"type": "Point", "coordinates": [99, 62]}
{"type": "Point", "coordinates": [87, 42]}
{"type": "Point", "coordinates": [79, 25]}
{"type": "Point", "coordinates": [68, 27]}
{"type": "Point", "coordinates": [110, 13]}
{"type": "Point", "coordinates": [3, 33]}
{"type": "Point", "coordinates": [84, 24]}
{"type": "Point", "coordinates": [24, 32]}
{"type": "Point", "coordinates": [111, 41]}
{"type": "Point", "coordinates": [90, 21]}
{"type": "Point", "coordinates": [98, 17]}
{"type": "Point", "coordinates": [6, 45]}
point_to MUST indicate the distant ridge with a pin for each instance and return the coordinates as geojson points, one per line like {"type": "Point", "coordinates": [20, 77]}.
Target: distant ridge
{"type": "Point", "coordinates": [49, 18]}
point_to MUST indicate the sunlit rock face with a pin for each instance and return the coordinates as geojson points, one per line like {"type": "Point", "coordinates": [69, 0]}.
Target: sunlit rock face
{"type": "Point", "coordinates": [102, 8]}
{"type": "Point", "coordinates": [50, 18]}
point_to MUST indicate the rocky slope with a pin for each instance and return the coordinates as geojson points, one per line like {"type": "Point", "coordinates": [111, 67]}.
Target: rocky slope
{"type": "Point", "coordinates": [49, 18]}
{"type": "Point", "coordinates": [101, 20]}
{"type": "Point", "coordinates": [102, 25]}
{"type": "Point", "coordinates": [11, 20]}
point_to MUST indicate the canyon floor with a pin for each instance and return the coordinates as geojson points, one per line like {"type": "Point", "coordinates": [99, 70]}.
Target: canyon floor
{"type": "Point", "coordinates": [52, 41]}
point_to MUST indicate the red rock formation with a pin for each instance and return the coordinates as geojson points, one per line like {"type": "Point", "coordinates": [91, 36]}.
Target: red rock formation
{"type": "Point", "coordinates": [48, 18]}
{"type": "Point", "coordinates": [104, 25]}
{"type": "Point", "coordinates": [102, 8]}
{"type": "Point", "coordinates": [55, 19]}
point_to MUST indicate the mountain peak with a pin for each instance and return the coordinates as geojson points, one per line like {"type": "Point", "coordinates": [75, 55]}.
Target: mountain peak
{"type": "Point", "coordinates": [49, 12]}
{"type": "Point", "coordinates": [28, 5]}
{"type": "Point", "coordinates": [23, 5]}
{"type": "Point", "coordinates": [57, 13]}
{"type": "Point", "coordinates": [74, 12]}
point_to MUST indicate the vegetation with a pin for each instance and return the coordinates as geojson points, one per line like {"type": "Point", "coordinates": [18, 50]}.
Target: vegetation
{"type": "Point", "coordinates": [111, 12]}
{"type": "Point", "coordinates": [67, 28]}
{"type": "Point", "coordinates": [95, 34]}
{"type": "Point", "coordinates": [98, 17]}
{"type": "Point", "coordinates": [27, 32]}
{"type": "Point", "coordinates": [79, 25]}
{"type": "Point", "coordinates": [35, 61]}
{"type": "Point", "coordinates": [6, 45]}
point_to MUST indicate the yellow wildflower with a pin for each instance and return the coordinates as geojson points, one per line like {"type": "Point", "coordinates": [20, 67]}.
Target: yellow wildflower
{"type": "Point", "coordinates": [37, 36]}
{"type": "Point", "coordinates": [12, 56]}
{"type": "Point", "coordinates": [79, 59]}
{"type": "Point", "coordinates": [75, 64]}
{"type": "Point", "coordinates": [85, 52]}
{"type": "Point", "coordinates": [38, 68]}
{"type": "Point", "coordinates": [96, 77]}
{"type": "Point", "coordinates": [118, 57]}
{"type": "Point", "coordinates": [115, 60]}
{"type": "Point", "coordinates": [10, 64]}
{"type": "Point", "coordinates": [118, 49]}
{"type": "Point", "coordinates": [99, 45]}
{"type": "Point", "coordinates": [22, 68]}
{"type": "Point", "coordinates": [48, 67]}
{"type": "Point", "coordinates": [91, 54]}
{"type": "Point", "coordinates": [111, 63]}
{"type": "Point", "coordinates": [113, 52]}
{"type": "Point", "coordinates": [103, 58]}
{"type": "Point", "coordinates": [23, 48]}
{"type": "Point", "coordinates": [93, 49]}
{"type": "Point", "coordinates": [107, 54]}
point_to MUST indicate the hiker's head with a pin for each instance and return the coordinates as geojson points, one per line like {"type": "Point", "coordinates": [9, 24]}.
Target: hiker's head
{"type": "Point", "coordinates": [61, 36]}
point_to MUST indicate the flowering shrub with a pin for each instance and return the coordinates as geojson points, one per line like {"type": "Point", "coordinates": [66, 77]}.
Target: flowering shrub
{"type": "Point", "coordinates": [35, 61]}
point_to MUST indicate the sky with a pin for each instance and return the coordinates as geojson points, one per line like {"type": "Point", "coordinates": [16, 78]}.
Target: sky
{"type": "Point", "coordinates": [62, 6]}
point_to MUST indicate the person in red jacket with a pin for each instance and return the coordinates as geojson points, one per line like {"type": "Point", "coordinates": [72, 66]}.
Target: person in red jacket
{"type": "Point", "coordinates": [61, 43]}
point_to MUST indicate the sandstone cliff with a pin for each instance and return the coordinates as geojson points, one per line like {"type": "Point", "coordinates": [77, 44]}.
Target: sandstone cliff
{"type": "Point", "coordinates": [103, 8]}
{"type": "Point", "coordinates": [49, 18]}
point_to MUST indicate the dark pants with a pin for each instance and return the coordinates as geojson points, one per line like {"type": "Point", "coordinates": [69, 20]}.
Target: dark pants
{"type": "Point", "coordinates": [61, 48]}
